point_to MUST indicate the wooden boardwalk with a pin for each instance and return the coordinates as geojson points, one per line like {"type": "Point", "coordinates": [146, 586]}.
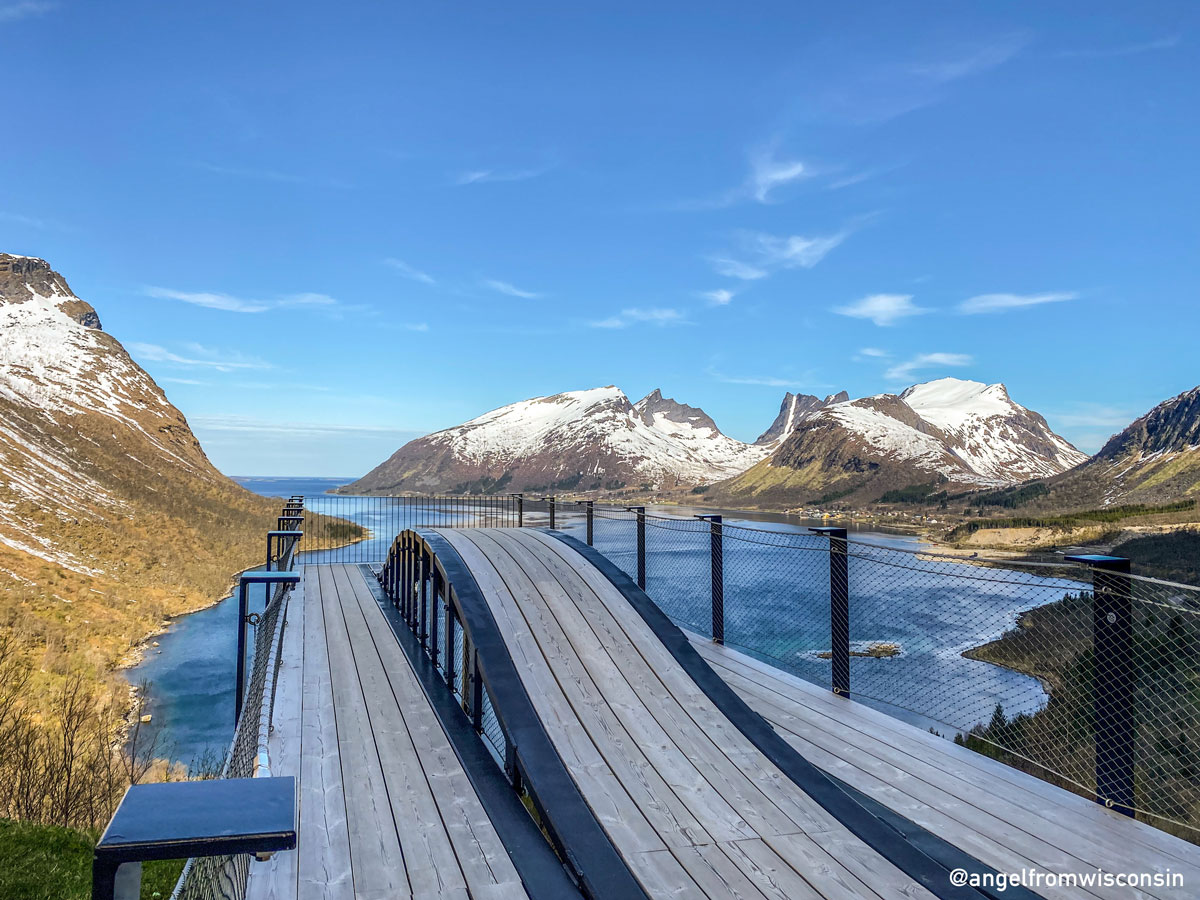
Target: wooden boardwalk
{"type": "Point", "coordinates": [693, 799]}
{"type": "Point", "coordinates": [694, 808]}
{"type": "Point", "coordinates": [1003, 817]}
{"type": "Point", "coordinates": [386, 810]}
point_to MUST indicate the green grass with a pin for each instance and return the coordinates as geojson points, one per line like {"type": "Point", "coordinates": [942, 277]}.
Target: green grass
{"type": "Point", "coordinates": [44, 862]}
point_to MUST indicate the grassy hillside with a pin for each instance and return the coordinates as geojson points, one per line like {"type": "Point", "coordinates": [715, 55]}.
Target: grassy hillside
{"type": "Point", "coordinates": [44, 862]}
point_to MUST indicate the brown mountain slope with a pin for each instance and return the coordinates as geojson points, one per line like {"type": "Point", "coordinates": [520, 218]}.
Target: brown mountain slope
{"type": "Point", "coordinates": [111, 515]}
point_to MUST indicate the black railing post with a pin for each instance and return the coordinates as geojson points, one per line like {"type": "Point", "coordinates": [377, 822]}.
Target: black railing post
{"type": "Point", "coordinates": [275, 540]}
{"type": "Point", "coordinates": [716, 540]}
{"type": "Point", "coordinates": [476, 692]}
{"type": "Point", "coordinates": [589, 507]}
{"type": "Point", "coordinates": [1113, 679]}
{"type": "Point", "coordinates": [641, 543]}
{"type": "Point", "coordinates": [520, 498]}
{"type": "Point", "coordinates": [240, 686]}
{"type": "Point", "coordinates": [839, 608]}
{"type": "Point", "coordinates": [550, 502]}
{"type": "Point", "coordinates": [437, 586]}
{"type": "Point", "coordinates": [423, 598]}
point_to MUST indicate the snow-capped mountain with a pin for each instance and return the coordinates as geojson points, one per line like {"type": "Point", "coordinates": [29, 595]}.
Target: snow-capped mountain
{"type": "Point", "coordinates": [1155, 460]}
{"type": "Point", "coordinates": [946, 430]}
{"type": "Point", "coordinates": [794, 408]}
{"type": "Point", "coordinates": [580, 440]}
{"type": "Point", "coordinates": [108, 504]}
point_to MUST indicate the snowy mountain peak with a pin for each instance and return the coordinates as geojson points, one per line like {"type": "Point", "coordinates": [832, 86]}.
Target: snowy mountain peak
{"type": "Point", "coordinates": [585, 440]}
{"type": "Point", "coordinates": [23, 278]}
{"type": "Point", "coordinates": [792, 411]}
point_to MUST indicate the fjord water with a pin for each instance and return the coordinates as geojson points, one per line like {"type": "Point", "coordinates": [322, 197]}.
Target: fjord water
{"type": "Point", "coordinates": [777, 604]}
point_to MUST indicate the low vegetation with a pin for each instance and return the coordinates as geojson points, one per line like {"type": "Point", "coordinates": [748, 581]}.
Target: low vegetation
{"type": "Point", "coordinates": [1174, 556]}
{"type": "Point", "coordinates": [47, 862]}
{"type": "Point", "coordinates": [1070, 520]}
{"type": "Point", "coordinates": [1054, 644]}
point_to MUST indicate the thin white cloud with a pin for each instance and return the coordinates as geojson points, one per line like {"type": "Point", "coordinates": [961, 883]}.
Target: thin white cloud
{"type": "Point", "coordinates": [247, 425]}
{"type": "Point", "coordinates": [989, 303]}
{"type": "Point", "coordinates": [634, 315]}
{"type": "Point", "coordinates": [224, 302]}
{"type": "Point", "coordinates": [14, 12]}
{"type": "Point", "coordinates": [733, 268]}
{"type": "Point", "coordinates": [768, 172]}
{"type": "Point", "coordinates": [1095, 416]}
{"type": "Point", "coordinates": [415, 326]}
{"type": "Point", "coordinates": [870, 353]}
{"type": "Point", "coordinates": [230, 303]}
{"type": "Point", "coordinates": [719, 297]}
{"type": "Point", "coordinates": [511, 290]}
{"type": "Point", "coordinates": [273, 175]}
{"type": "Point", "coordinates": [1164, 43]}
{"type": "Point", "coordinates": [761, 380]}
{"type": "Point", "coordinates": [191, 381]}
{"type": "Point", "coordinates": [409, 271]}
{"type": "Point", "coordinates": [904, 371]}
{"type": "Point", "coordinates": [201, 357]}
{"type": "Point", "coordinates": [766, 253]}
{"type": "Point", "coordinates": [483, 176]}
{"type": "Point", "coordinates": [882, 309]}
{"type": "Point", "coordinates": [972, 60]}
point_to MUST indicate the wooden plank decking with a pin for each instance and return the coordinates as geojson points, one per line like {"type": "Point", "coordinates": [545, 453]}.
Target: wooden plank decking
{"type": "Point", "coordinates": [386, 809]}
{"type": "Point", "coordinates": [693, 806]}
{"type": "Point", "coordinates": [1001, 816]}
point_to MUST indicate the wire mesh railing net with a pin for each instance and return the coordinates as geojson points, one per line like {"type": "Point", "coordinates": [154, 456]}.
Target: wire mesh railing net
{"type": "Point", "coordinates": [225, 877]}
{"type": "Point", "coordinates": [1000, 656]}
{"type": "Point", "coordinates": [346, 528]}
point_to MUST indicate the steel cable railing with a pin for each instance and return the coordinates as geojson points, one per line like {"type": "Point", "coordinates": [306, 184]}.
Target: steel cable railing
{"type": "Point", "coordinates": [225, 877]}
{"type": "Point", "coordinates": [996, 654]}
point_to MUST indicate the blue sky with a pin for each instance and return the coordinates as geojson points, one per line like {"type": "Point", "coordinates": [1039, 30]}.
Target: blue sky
{"type": "Point", "coordinates": [326, 229]}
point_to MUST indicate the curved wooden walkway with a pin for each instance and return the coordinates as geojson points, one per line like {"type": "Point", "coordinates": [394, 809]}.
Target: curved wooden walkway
{"type": "Point", "coordinates": [691, 757]}
{"type": "Point", "coordinates": [692, 805]}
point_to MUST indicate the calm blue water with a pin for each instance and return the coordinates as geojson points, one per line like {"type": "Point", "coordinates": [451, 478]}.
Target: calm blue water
{"type": "Point", "coordinates": [776, 600]}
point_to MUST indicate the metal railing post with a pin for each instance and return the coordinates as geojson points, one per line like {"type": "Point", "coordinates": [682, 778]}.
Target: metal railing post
{"type": "Point", "coordinates": [839, 608]}
{"type": "Point", "coordinates": [589, 507]}
{"type": "Point", "coordinates": [434, 596]}
{"type": "Point", "coordinates": [641, 543]}
{"type": "Point", "coordinates": [240, 686]}
{"type": "Point", "coordinates": [520, 498]}
{"type": "Point", "coordinates": [550, 501]}
{"type": "Point", "coordinates": [716, 540]}
{"type": "Point", "coordinates": [1113, 680]}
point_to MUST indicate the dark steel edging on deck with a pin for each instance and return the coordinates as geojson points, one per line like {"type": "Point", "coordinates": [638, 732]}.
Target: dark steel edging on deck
{"type": "Point", "coordinates": [565, 814]}
{"type": "Point", "coordinates": [914, 850]}
{"type": "Point", "coordinates": [541, 871]}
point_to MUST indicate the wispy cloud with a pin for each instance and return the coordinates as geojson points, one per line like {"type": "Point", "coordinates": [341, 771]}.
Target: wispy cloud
{"type": "Point", "coordinates": [989, 303]}
{"type": "Point", "coordinates": [245, 424]}
{"type": "Point", "coordinates": [414, 326]}
{"type": "Point", "coordinates": [882, 309]}
{"type": "Point", "coordinates": [719, 297]}
{"type": "Point", "coordinates": [768, 172]}
{"type": "Point", "coordinates": [191, 381]}
{"type": "Point", "coordinates": [230, 303]}
{"type": "Point", "coordinates": [870, 353]}
{"type": "Point", "coordinates": [904, 371]}
{"type": "Point", "coordinates": [198, 356]}
{"type": "Point", "coordinates": [1164, 43]}
{"type": "Point", "coordinates": [972, 59]}
{"type": "Point", "coordinates": [1094, 415]}
{"type": "Point", "coordinates": [512, 290]}
{"type": "Point", "coordinates": [483, 176]}
{"type": "Point", "coordinates": [733, 268]}
{"type": "Point", "coordinates": [764, 253]}
{"type": "Point", "coordinates": [653, 316]}
{"type": "Point", "coordinates": [14, 12]}
{"type": "Point", "coordinates": [409, 271]}
{"type": "Point", "coordinates": [273, 175]}
{"type": "Point", "coordinates": [804, 382]}
{"type": "Point", "coordinates": [32, 222]}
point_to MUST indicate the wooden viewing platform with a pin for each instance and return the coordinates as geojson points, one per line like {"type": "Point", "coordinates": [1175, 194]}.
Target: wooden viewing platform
{"type": "Point", "coordinates": [706, 772]}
